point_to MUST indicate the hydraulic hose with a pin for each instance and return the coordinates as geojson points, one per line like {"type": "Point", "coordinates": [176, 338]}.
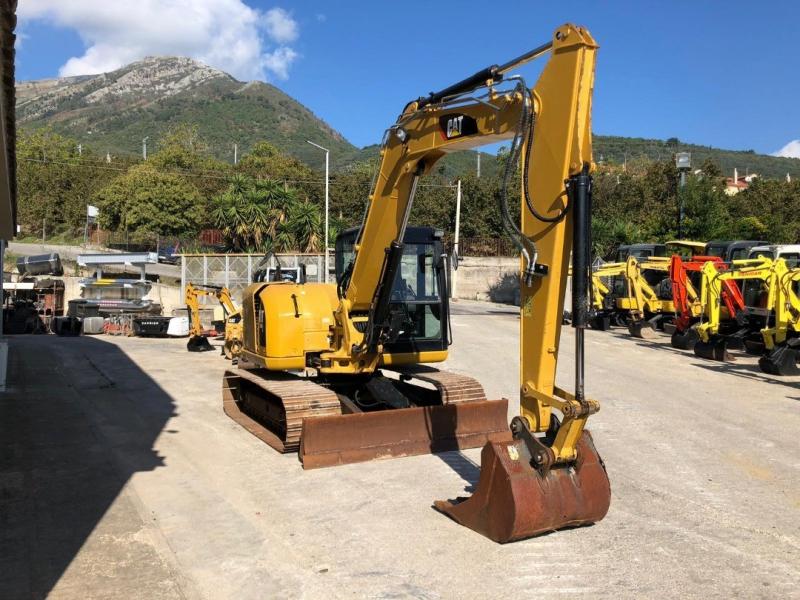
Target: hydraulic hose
{"type": "Point", "coordinates": [526, 246]}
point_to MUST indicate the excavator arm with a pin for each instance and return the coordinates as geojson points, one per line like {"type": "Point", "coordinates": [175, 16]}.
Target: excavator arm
{"type": "Point", "coordinates": [549, 476]}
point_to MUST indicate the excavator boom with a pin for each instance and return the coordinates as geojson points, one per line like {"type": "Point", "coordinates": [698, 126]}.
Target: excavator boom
{"type": "Point", "coordinates": [549, 475]}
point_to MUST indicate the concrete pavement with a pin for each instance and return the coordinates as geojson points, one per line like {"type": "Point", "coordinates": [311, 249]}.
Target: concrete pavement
{"type": "Point", "coordinates": [121, 477]}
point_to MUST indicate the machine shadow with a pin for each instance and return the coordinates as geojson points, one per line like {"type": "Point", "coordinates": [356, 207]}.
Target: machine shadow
{"type": "Point", "coordinates": [736, 368]}
{"type": "Point", "coordinates": [78, 419]}
{"type": "Point", "coordinates": [463, 466]}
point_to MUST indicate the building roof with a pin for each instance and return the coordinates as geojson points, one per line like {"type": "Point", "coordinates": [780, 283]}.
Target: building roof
{"type": "Point", "coordinates": [8, 132]}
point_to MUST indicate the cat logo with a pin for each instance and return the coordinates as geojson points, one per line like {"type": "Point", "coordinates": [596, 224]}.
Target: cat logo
{"type": "Point", "coordinates": [457, 125]}
{"type": "Point", "coordinates": [454, 126]}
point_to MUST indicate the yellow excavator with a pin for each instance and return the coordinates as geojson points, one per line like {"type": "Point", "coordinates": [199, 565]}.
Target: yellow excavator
{"type": "Point", "coordinates": [336, 370]}
{"type": "Point", "coordinates": [632, 293]}
{"type": "Point", "coordinates": [198, 342]}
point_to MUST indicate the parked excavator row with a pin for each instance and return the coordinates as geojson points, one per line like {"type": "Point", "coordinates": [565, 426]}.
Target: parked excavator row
{"type": "Point", "coordinates": [739, 294]}
{"type": "Point", "coordinates": [338, 371]}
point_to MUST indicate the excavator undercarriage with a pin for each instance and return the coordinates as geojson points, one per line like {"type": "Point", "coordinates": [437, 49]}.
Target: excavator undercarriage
{"type": "Point", "coordinates": [386, 415]}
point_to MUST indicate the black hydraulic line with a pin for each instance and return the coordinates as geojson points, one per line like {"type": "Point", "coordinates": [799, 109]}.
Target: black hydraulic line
{"type": "Point", "coordinates": [465, 85]}
{"type": "Point", "coordinates": [581, 203]}
{"type": "Point", "coordinates": [579, 188]}
{"type": "Point", "coordinates": [379, 320]}
{"type": "Point", "coordinates": [494, 73]}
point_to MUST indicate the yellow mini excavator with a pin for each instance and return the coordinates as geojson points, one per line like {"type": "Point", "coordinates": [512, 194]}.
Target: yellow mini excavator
{"type": "Point", "coordinates": [632, 293]}
{"type": "Point", "coordinates": [233, 325]}
{"type": "Point", "coordinates": [337, 369]}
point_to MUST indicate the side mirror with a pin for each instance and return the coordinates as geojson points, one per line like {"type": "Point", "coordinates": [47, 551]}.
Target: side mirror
{"type": "Point", "coordinates": [454, 260]}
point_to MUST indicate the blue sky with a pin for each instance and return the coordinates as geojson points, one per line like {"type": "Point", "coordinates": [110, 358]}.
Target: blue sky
{"type": "Point", "coordinates": [724, 74]}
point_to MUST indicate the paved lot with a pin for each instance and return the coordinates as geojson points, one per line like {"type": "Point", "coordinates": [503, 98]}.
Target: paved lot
{"type": "Point", "coordinates": [120, 477]}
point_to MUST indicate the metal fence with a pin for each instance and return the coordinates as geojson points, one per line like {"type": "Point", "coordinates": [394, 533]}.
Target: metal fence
{"type": "Point", "coordinates": [235, 271]}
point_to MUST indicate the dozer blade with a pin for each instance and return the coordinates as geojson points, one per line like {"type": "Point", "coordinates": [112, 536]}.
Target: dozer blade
{"type": "Point", "coordinates": [358, 437]}
{"type": "Point", "coordinates": [685, 340]}
{"type": "Point", "coordinates": [198, 343]}
{"type": "Point", "coordinates": [514, 501]}
{"type": "Point", "coordinates": [714, 349]}
{"type": "Point", "coordinates": [781, 360]}
{"type": "Point", "coordinates": [642, 329]}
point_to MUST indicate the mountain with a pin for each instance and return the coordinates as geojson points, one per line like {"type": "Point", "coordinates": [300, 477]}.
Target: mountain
{"type": "Point", "coordinates": [113, 112]}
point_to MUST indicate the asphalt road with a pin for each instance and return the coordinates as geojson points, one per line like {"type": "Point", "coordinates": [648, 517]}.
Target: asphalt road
{"type": "Point", "coordinates": [123, 478]}
{"type": "Point", "coordinates": [71, 253]}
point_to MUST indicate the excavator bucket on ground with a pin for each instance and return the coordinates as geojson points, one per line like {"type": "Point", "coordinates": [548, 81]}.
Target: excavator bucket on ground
{"type": "Point", "coordinates": [513, 500]}
{"type": "Point", "coordinates": [715, 348]}
{"type": "Point", "coordinates": [781, 360]}
{"type": "Point", "coordinates": [642, 329]}
{"type": "Point", "coordinates": [199, 343]}
{"type": "Point", "coordinates": [684, 340]}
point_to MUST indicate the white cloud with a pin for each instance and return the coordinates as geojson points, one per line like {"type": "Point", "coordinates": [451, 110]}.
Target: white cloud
{"type": "Point", "coordinates": [226, 34]}
{"type": "Point", "coordinates": [280, 26]}
{"type": "Point", "coordinates": [791, 150]}
{"type": "Point", "coordinates": [279, 61]}
{"type": "Point", "coordinates": [321, 17]}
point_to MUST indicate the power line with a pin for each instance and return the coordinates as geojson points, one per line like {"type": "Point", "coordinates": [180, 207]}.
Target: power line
{"type": "Point", "coordinates": [202, 174]}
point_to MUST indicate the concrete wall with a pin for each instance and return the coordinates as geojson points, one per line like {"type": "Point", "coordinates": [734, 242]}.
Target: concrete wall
{"type": "Point", "coordinates": [494, 279]}
{"type": "Point", "coordinates": [488, 278]}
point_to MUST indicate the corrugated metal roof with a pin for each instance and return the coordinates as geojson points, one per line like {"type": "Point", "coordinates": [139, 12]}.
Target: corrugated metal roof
{"type": "Point", "coordinates": [8, 137]}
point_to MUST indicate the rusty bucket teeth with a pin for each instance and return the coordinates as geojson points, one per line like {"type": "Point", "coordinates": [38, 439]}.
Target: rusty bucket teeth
{"type": "Point", "coordinates": [781, 360]}
{"type": "Point", "coordinates": [514, 501]}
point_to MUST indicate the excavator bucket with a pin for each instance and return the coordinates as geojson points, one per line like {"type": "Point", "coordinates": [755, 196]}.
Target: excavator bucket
{"type": "Point", "coordinates": [514, 501]}
{"type": "Point", "coordinates": [198, 343]}
{"type": "Point", "coordinates": [714, 349]}
{"type": "Point", "coordinates": [781, 360]}
{"type": "Point", "coordinates": [684, 340]}
{"type": "Point", "coordinates": [642, 330]}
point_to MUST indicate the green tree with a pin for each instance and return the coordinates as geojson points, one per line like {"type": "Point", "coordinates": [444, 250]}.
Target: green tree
{"type": "Point", "coordinates": [146, 199]}
{"type": "Point", "coordinates": [56, 182]}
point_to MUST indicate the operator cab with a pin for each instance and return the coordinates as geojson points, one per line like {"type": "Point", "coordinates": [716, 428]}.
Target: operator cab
{"type": "Point", "coordinates": [685, 248]}
{"type": "Point", "coordinates": [420, 290]}
{"type": "Point", "coordinates": [732, 250]}
{"type": "Point", "coordinates": [639, 251]}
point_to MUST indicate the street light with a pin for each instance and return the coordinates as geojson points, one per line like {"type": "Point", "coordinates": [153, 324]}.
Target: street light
{"type": "Point", "coordinates": [327, 184]}
{"type": "Point", "coordinates": [683, 161]}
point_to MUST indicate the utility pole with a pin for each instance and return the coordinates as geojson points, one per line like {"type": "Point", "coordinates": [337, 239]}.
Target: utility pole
{"type": "Point", "coordinates": [80, 149]}
{"type": "Point", "coordinates": [454, 276]}
{"type": "Point", "coordinates": [235, 153]}
{"type": "Point", "coordinates": [144, 147]}
{"type": "Point", "coordinates": [327, 191]}
{"type": "Point", "coordinates": [683, 161]}
{"type": "Point", "coordinates": [479, 167]}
